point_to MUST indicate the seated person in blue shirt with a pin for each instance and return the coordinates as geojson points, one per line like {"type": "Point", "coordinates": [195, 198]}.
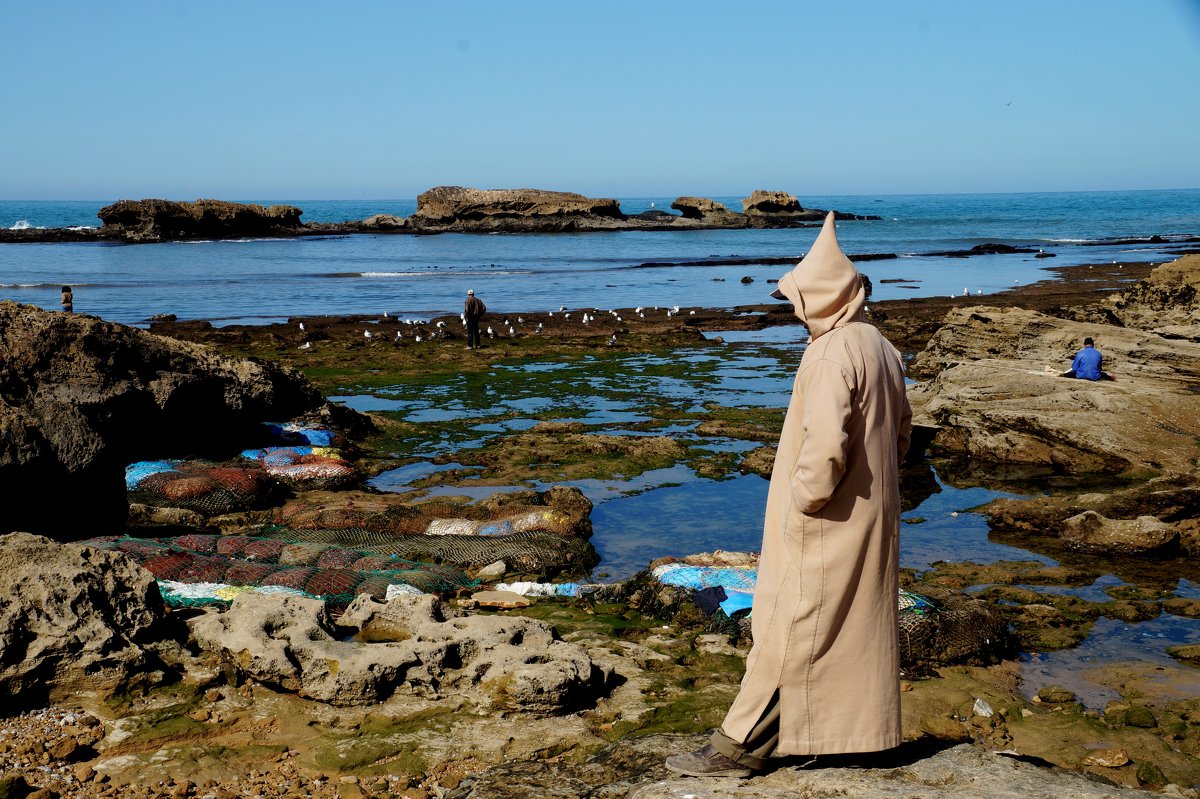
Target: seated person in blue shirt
{"type": "Point", "coordinates": [1086, 365]}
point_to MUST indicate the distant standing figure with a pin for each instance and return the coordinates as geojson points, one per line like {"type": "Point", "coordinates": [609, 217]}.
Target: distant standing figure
{"type": "Point", "coordinates": [473, 311]}
{"type": "Point", "coordinates": [68, 300]}
{"type": "Point", "coordinates": [1086, 365]}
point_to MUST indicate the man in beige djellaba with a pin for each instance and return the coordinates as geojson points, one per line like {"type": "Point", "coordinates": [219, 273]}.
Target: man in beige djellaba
{"type": "Point", "coordinates": [823, 675]}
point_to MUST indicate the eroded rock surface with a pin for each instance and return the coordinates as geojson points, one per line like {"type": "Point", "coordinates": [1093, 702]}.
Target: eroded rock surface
{"type": "Point", "coordinates": [167, 220]}
{"type": "Point", "coordinates": [484, 209]}
{"type": "Point", "coordinates": [997, 395]}
{"type": "Point", "coordinates": [81, 398]}
{"type": "Point", "coordinates": [502, 661]}
{"type": "Point", "coordinates": [709, 212]}
{"type": "Point", "coordinates": [1091, 532]}
{"type": "Point", "coordinates": [73, 620]}
{"type": "Point", "coordinates": [1166, 302]}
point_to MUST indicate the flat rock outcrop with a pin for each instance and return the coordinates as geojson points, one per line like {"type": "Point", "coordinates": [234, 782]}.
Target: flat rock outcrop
{"type": "Point", "coordinates": [996, 394]}
{"type": "Point", "coordinates": [769, 203]}
{"type": "Point", "coordinates": [81, 398]}
{"type": "Point", "coordinates": [505, 662]}
{"type": "Point", "coordinates": [168, 220]}
{"type": "Point", "coordinates": [73, 620]}
{"type": "Point", "coordinates": [474, 210]}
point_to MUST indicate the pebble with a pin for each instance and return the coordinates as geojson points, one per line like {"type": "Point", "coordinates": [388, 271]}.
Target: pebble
{"type": "Point", "coordinates": [1108, 758]}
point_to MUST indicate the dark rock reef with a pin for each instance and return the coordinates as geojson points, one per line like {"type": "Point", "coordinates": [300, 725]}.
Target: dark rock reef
{"type": "Point", "coordinates": [81, 398]}
{"type": "Point", "coordinates": [166, 220]}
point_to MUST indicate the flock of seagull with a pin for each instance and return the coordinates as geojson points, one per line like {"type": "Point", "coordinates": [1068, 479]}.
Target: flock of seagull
{"type": "Point", "coordinates": [509, 325]}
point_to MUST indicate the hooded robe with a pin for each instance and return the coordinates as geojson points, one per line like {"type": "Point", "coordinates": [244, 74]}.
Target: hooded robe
{"type": "Point", "coordinates": [825, 616]}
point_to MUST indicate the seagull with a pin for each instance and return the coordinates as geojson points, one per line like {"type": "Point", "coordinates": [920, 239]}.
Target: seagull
{"type": "Point", "coordinates": [491, 333]}
{"type": "Point", "coordinates": [619, 319]}
{"type": "Point", "coordinates": [641, 316]}
{"type": "Point", "coordinates": [566, 316]}
{"type": "Point", "coordinates": [637, 309]}
{"type": "Point", "coordinates": [306, 345]}
{"type": "Point", "coordinates": [691, 313]}
{"type": "Point", "coordinates": [612, 340]}
{"type": "Point", "coordinates": [539, 327]}
{"type": "Point", "coordinates": [385, 315]}
{"type": "Point", "coordinates": [675, 309]}
{"type": "Point", "coordinates": [301, 325]}
{"type": "Point", "coordinates": [512, 331]}
{"type": "Point", "coordinates": [520, 320]}
{"type": "Point", "coordinates": [562, 308]}
{"type": "Point", "coordinates": [966, 292]}
{"type": "Point", "coordinates": [399, 335]}
{"type": "Point", "coordinates": [418, 339]}
{"type": "Point", "coordinates": [978, 292]}
{"type": "Point", "coordinates": [441, 324]}
{"type": "Point", "coordinates": [1008, 103]}
{"type": "Point", "coordinates": [366, 334]}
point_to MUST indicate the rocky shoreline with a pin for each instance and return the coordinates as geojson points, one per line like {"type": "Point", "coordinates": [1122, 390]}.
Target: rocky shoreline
{"type": "Point", "coordinates": [413, 696]}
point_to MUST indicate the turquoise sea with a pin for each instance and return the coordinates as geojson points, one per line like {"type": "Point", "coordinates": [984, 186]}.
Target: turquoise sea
{"type": "Point", "coordinates": [268, 280]}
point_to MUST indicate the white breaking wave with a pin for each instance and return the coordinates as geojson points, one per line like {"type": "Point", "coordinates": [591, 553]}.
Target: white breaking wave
{"type": "Point", "coordinates": [441, 274]}
{"type": "Point", "coordinates": [21, 224]}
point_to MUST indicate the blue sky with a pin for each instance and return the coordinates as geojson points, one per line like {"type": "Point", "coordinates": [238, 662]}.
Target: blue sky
{"type": "Point", "coordinates": [315, 100]}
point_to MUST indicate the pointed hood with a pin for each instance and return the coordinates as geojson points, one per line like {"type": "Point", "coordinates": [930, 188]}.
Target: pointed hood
{"type": "Point", "coordinates": [825, 288]}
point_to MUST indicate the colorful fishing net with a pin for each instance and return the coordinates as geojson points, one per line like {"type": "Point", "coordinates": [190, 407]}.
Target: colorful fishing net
{"type": "Point", "coordinates": [305, 467]}
{"type": "Point", "coordinates": [330, 573]}
{"type": "Point", "coordinates": [207, 488]}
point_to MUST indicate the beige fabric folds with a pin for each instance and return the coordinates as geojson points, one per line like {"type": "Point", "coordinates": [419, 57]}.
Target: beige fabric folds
{"type": "Point", "coordinates": [825, 617]}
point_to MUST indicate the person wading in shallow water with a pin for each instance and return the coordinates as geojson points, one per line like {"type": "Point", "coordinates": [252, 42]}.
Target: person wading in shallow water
{"type": "Point", "coordinates": [473, 311]}
{"type": "Point", "coordinates": [823, 676]}
{"type": "Point", "coordinates": [68, 300]}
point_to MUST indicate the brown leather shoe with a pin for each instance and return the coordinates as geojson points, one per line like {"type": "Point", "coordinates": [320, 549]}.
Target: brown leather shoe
{"type": "Point", "coordinates": [706, 762]}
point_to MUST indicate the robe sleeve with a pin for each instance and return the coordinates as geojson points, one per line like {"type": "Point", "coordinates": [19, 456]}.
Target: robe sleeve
{"type": "Point", "coordinates": [821, 461]}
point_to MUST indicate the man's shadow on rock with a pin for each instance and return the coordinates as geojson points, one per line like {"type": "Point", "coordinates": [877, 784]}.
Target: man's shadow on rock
{"type": "Point", "coordinates": [906, 754]}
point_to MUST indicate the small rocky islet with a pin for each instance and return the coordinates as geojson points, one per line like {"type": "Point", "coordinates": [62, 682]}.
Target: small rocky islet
{"type": "Point", "coordinates": [463, 694]}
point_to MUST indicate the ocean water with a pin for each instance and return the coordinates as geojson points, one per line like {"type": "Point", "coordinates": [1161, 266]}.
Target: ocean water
{"type": "Point", "coordinates": [258, 281]}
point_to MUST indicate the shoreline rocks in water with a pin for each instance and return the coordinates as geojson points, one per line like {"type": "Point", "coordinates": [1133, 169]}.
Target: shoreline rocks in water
{"type": "Point", "coordinates": [443, 209]}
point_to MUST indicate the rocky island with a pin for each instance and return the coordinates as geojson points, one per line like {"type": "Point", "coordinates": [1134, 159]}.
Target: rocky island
{"type": "Point", "coordinates": [444, 209]}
